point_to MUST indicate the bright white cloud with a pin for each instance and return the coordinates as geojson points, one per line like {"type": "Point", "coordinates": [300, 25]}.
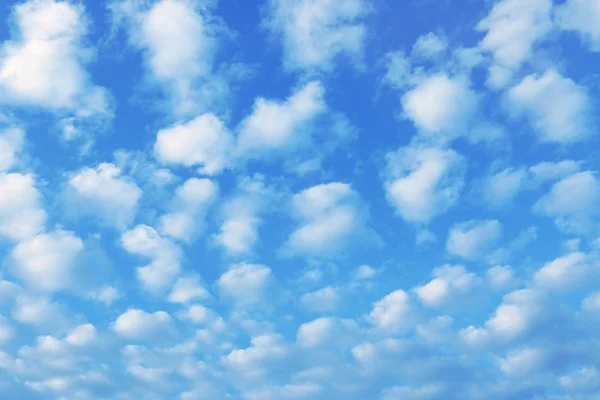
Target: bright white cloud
{"type": "Point", "coordinates": [473, 239]}
{"type": "Point", "coordinates": [393, 313]}
{"type": "Point", "coordinates": [330, 217]}
{"type": "Point", "coordinates": [203, 142]}
{"type": "Point", "coordinates": [581, 16]}
{"type": "Point", "coordinates": [281, 125]}
{"type": "Point", "coordinates": [441, 105]}
{"type": "Point", "coordinates": [48, 261]}
{"type": "Point", "coordinates": [245, 283]}
{"type": "Point", "coordinates": [429, 46]}
{"type": "Point", "coordinates": [573, 203]}
{"type": "Point", "coordinates": [557, 108]}
{"type": "Point", "coordinates": [316, 32]}
{"type": "Point", "coordinates": [138, 324]}
{"type": "Point", "coordinates": [188, 208]}
{"type": "Point", "coordinates": [565, 273]}
{"type": "Point", "coordinates": [520, 362]}
{"type": "Point", "coordinates": [21, 213]}
{"type": "Point", "coordinates": [187, 289]}
{"type": "Point", "coordinates": [165, 265]}
{"type": "Point", "coordinates": [512, 31]}
{"type": "Point", "coordinates": [450, 281]}
{"type": "Point", "coordinates": [186, 70]}
{"type": "Point", "coordinates": [44, 65]}
{"type": "Point", "coordinates": [103, 193]}
{"type": "Point", "coordinates": [422, 183]}
{"type": "Point", "coordinates": [519, 312]}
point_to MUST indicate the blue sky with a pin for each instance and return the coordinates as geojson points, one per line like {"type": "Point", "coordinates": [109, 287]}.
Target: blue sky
{"type": "Point", "coordinates": [308, 199]}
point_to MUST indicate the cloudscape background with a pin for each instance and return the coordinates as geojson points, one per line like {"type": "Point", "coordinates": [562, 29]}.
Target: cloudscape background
{"type": "Point", "coordinates": [299, 199]}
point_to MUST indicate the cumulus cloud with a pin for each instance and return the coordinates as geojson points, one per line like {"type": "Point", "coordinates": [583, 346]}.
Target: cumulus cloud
{"type": "Point", "coordinates": [316, 33]}
{"type": "Point", "coordinates": [245, 284]}
{"type": "Point", "coordinates": [103, 193]}
{"type": "Point", "coordinates": [238, 233]}
{"type": "Point", "coordinates": [581, 16]}
{"type": "Point", "coordinates": [281, 126]}
{"type": "Point", "coordinates": [327, 299]}
{"type": "Point", "coordinates": [187, 289]}
{"type": "Point", "coordinates": [330, 217]}
{"type": "Point", "coordinates": [473, 239]}
{"type": "Point", "coordinates": [429, 46]}
{"type": "Point", "coordinates": [573, 203]}
{"type": "Point", "coordinates": [138, 324]}
{"type": "Point", "coordinates": [165, 255]}
{"type": "Point", "coordinates": [187, 72]}
{"type": "Point", "coordinates": [394, 312]}
{"type": "Point", "coordinates": [21, 212]}
{"type": "Point", "coordinates": [12, 141]}
{"type": "Point", "coordinates": [557, 108]}
{"type": "Point", "coordinates": [450, 282]}
{"type": "Point", "coordinates": [202, 142]}
{"type": "Point", "coordinates": [45, 63]}
{"type": "Point", "coordinates": [422, 183]}
{"type": "Point", "coordinates": [501, 188]}
{"type": "Point", "coordinates": [189, 207]}
{"type": "Point", "coordinates": [47, 261]}
{"type": "Point", "coordinates": [512, 32]}
{"type": "Point", "coordinates": [565, 273]}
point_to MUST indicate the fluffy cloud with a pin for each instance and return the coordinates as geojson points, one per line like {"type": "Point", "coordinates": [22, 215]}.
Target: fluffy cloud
{"type": "Point", "coordinates": [429, 46]}
{"type": "Point", "coordinates": [165, 265]}
{"type": "Point", "coordinates": [324, 300]}
{"type": "Point", "coordinates": [473, 239]}
{"type": "Point", "coordinates": [245, 283]}
{"type": "Point", "coordinates": [188, 288]}
{"type": "Point", "coordinates": [565, 273]}
{"type": "Point", "coordinates": [449, 282]}
{"type": "Point", "coordinates": [281, 126]}
{"type": "Point", "coordinates": [557, 108]}
{"type": "Point", "coordinates": [573, 203]}
{"type": "Point", "coordinates": [552, 171]}
{"type": "Point", "coordinates": [186, 71]}
{"type": "Point", "coordinates": [501, 188]}
{"type": "Point", "coordinates": [242, 216]}
{"type": "Point", "coordinates": [581, 16]}
{"type": "Point", "coordinates": [189, 207]}
{"type": "Point", "coordinates": [441, 105]}
{"type": "Point", "coordinates": [422, 183]}
{"type": "Point", "coordinates": [393, 313]}
{"type": "Point", "coordinates": [103, 193]}
{"type": "Point", "coordinates": [330, 216]}
{"type": "Point", "coordinates": [47, 261]}
{"type": "Point", "coordinates": [21, 214]}
{"type": "Point", "coordinates": [316, 32]}
{"type": "Point", "coordinates": [512, 32]}
{"type": "Point", "coordinates": [45, 64]}
{"type": "Point", "coordinates": [203, 142]}
{"type": "Point", "coordinates": [138, 324]}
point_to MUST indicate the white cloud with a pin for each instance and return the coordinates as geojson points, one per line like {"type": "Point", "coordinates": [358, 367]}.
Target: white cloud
{"type": "Point", "coordinates": [187, 70]}
{"type": "Point", "coordinates": [573, 203]}
{"type": "Point", "coordinates": [281, 125]}
{"type": "Point", "coordinates": [551, 171]}
{"type": "Point", "coordinates": [393, 313]}
{"type": "Point", "coordinates": [473, 239]}
{"type": "Point", "coordinates": [557, 108]}
{"type": "Point", "coordinates": [21, 213]}
{"type": "Point", "coordinates": [315, 333]}
{"type": "Point", "coordinates": [565, 273]}
{"type": "Point", "coordinates": [324, 300]}
{"type": "Point", "coordinates": [500, 277]}
{"type": "Point", "coordinates": [242, 216]}
{"type": "Point", "coordinates": [422, 183]}
{"type": "Point", "coordinates": [48, 261]}
{"type": "Point", "coordinates": [165, 265]}
{"type": "Point", "coordinates": [45, 64]}
{"type": "Point", "coordinates": [520, 362]}
{"type": "Point", "coordinates": [330, 217]}
{"type": "Point", "coordinates": [591, 302]}
{"type": "Point", "coordinates": [41, 312]}
{"type": "Point", "coordinates": [103, 193]}
{"type": "Point", "coordinates": [364, 272]}
{"type": "Point", "coordinates": [245, 283]}
{"type": "Point", "coordinates": [450, 281]}
{"type": "Point", "coordinates": [189, 208]}
{"type": "Point", "coordinates": [187, 289]}
{"type": "Point", "coordinates": [441, 105]}
{"type": "Point", "coordinates": [12, 141]}
{"type": "Point", "coordinates": [584, 380]}
{"type": "Point", "coordinates": [203, 142]}
{"type": "Point", "coordinates": [7, 331]}
{"type": "Point", "coordinates": [316, 32]}
{"type": "Point", "coordinates": [138, 324]}
{"type": "Point", "coordinates": [500, 189]}
{"type": "Point", "coordinates": [513, 29]}
{"type": "Point", "coordinates": [429, 46]}
{"type": "Point", "coordinates": [581, 16]}
{"type": "Point", "coordinates": [519, 311]}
